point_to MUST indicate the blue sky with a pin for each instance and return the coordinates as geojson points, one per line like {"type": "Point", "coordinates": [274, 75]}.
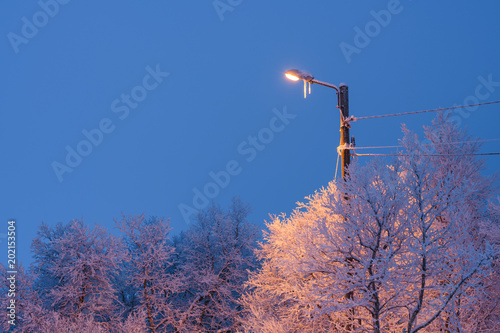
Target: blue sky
{"type": "Point", "coordinates": [173, 93]}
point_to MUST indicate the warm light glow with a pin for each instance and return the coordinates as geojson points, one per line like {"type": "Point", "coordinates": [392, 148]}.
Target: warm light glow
{"type": "Point", "coordinates": [291, 77]}
{"type": "Point", "coordinates": [295, 75]}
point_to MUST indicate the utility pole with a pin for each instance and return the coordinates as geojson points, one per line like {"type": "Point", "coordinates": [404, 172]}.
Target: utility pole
{"type": "Point", "coordinates": [343, 105]}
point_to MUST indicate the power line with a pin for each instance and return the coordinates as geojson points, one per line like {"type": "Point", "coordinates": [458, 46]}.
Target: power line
{"type": "Point", "coordinates": [428, 144]}
{"type": "Point", "coordinates": [483, 154]}
{"type": "Point", "coordinates": [337, 166]}
{"type": "Point", "coordinates": [377, 147]}
{"type": "Point", "coordinates": [423, 111]}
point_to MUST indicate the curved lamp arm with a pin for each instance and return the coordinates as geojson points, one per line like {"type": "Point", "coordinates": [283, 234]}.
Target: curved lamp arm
{"type": "Point", "coordinates": [296, 74]}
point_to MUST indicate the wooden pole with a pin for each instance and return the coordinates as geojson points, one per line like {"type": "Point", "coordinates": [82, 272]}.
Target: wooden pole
{"type": "Point", "coordinates": [344, 127]}
{"type": "Point", "coordinates": [346, 160]}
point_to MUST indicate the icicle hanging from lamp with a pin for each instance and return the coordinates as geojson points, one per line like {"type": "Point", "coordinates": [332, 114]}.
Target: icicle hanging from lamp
{"type": "Point", "coordinates": [305, 88]}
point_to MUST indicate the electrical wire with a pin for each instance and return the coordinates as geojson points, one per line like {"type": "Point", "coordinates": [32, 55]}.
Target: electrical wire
{"type": "Point", "coordinates": [339, 148]}
{"type": "Point", "coordinates": [427, 144]}
{"type": "Point", "coordinates": [483, 154]}
{"type": "Point", "coordinates": [337, 167]}
{"type": "Point", "coordinates": [423, 111]}
{"type": "Point", "coordinates": [377, 147]}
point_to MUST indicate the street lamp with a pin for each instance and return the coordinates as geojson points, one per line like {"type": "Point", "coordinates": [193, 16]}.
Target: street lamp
{"type": "Point", "coordinates": [342, 104]}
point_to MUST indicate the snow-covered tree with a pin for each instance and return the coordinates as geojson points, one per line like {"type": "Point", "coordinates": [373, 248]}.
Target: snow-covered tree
{"type": "Point", "coordinates": [394, 247]}
{"type": "Point", "coordinates": [455, 149]}
{"type": "Point", "coordinates": [151, 281]}
{"type": "Point", "coordinates": [216, 253]}
{"type": "Point", "coordinates": [75, 265]}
